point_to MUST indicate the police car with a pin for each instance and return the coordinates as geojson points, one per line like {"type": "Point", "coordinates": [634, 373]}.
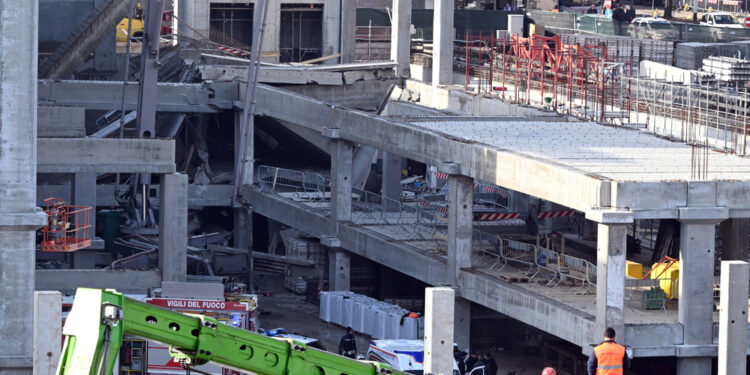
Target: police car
{"type": "Point", "coordinates": [281, 333]}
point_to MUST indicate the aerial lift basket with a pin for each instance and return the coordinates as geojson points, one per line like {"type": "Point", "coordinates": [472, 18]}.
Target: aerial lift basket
{"type": "Point", "coordinates": [68, 227]}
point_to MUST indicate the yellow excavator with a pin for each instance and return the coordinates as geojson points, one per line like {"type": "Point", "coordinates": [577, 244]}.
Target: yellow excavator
{"type": "Point", "coordinates": [136, 31]}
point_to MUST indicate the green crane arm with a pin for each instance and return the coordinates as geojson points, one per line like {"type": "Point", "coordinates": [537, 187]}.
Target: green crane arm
{"type": "Point", "coordinates": [99, 318]}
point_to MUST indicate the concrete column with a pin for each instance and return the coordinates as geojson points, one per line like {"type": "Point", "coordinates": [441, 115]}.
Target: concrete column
{"type": "Point", "coordinates": [339, 267]}
{"type": "Point", "coordinates": [18, 216]}
{"type": "Point", "coordinates": [697, 242]}
{"type": "Point", "coordinates": [348, 43]}
{"type": "Point", "coordinates": [442, 47]}
{"type": "Point", "coordinates": [733, 317]}
{"type": "Point", "coordinates": [462, 319]}
{"type": "Point", "coordinates": [460, 211]}
{"type": "Point", "coordinates": [243, 228]}
{"type": "Point", "coordinates": [84, 194]}
{"type": "Point", "coordinates": [195, 13]}
{"type": "Point", "coordinates": [734, 234]}
{"type": "Point", "coordinates": [173, 210]}
{"type": "Point", "coordinates": [438, 331]}
{"type": "Point", "coordinates": [401, 36]}
{"type": "Point", "coordinates": [391, 181]}
{"type": "Point", "coordinates": [332, 28]}
{"type": "Point", "coordinates": [341, 183]}
{"type": "Point", "coordinates": [249, 166]}
{"type": "Point", "coordinates": [47, 332]}
{"type": "Point", "coordinates": [610, 279]}
{"type": "Point", "coordinates": [272, 33]}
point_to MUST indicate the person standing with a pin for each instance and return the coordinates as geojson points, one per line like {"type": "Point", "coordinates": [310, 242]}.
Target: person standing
{"type": "Point", "coordinates": [471, 362]}
{"type": "Point", "coordinates": [609, 357]}
{"type": "Point", "coordinates": [490, 363]}
{"type": "Point", "coordinates": [348, 344]}
{"type": "Point", "coordinates": [461, 361]}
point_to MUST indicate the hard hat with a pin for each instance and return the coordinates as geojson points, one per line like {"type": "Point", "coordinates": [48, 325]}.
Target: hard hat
{"type": "Point", "coordinates": [549, 371]}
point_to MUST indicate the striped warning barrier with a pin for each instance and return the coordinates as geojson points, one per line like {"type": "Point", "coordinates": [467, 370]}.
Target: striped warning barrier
{"type": "Point", "coordinates": [425, 203]}
{"type": "Point", "coordinates": [233, 51]}
{"type": "Point", "coordinates": [516, 215]}
{"type": "Point", "coordinates": [441, 175]}
{"type": "Point", "coordinates": [442, 209]}
{"type": "Point", "coordinates": [497, 216]}
{"type": "Point", "coordinates": [554, 214]}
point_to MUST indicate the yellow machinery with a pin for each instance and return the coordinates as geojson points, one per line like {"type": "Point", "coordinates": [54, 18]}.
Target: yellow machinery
{"type": "Point", "coordinates": [137, 27]}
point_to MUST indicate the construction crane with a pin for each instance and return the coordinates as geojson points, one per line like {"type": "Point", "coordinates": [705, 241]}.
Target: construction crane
{"type": "Point", "coordinates": [99, 319]}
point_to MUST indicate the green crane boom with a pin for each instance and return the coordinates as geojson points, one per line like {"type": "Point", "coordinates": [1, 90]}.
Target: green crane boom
{"type": "Point", "coordinates": [99, 318]}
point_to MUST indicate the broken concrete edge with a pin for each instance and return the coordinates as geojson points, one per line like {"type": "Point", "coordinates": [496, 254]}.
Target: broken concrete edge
{"type": "Point", "coordinates": [609, 216]}
{"type": "Point", "coordinates": [23, 221]}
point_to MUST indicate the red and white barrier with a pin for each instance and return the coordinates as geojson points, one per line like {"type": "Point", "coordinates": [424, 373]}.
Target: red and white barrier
{"type": "Point", "coordinates": [516, 215]}
{"type": "Point", "coordinates": [555, 214]}
{"type": "Point", "coordinates": [233, 51]}
{"type": "Point", "coordinates": [495, 217]}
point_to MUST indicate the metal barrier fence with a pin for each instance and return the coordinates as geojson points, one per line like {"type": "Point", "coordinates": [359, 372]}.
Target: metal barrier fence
{"type": "Point", "coordinates": [486, 246]}
{"type": "Point", "coordinates": [519, 252]}
{"type": "Point", "coordinates": [272, 177]}
{"type": "Point", "coordinates": [576, 269]}
{"type": "Point", "coordinates": [550, 261]}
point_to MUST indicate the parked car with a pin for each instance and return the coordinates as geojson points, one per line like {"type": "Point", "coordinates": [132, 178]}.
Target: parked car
{"type": "Point", "coordinates": [403, 355]}
{"type": "Point", "coordinates": [653, 28]}
{"type": "Point", "coordinates": [281, 333]}
{"type": "Point", "coordinates": [720, 19]}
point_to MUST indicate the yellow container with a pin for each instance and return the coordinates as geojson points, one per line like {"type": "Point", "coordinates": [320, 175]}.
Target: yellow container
{"type": "Point", "coordinates": [669, 276]}
{"type": "Point", "coordinates": [633, 269]}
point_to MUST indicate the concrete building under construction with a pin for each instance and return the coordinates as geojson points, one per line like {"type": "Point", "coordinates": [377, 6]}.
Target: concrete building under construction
{"type": "Point", "coordinates": [559, 182]}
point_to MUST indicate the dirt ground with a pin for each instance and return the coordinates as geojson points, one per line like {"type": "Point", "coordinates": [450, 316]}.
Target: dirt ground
{"type": "Point", "coordinates": [287, 310]}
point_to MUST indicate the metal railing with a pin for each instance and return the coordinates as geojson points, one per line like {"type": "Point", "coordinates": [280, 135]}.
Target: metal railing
{"type": "Point", "coordinates": [301, 182]}
{"type": "Point", "coordinates": [519, 252]}
{"type": "Point", "coordinates": [576, 269]}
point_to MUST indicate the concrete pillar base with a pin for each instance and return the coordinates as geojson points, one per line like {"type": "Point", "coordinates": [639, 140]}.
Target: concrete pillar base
{"type": "Point", "coordinates": [47, 331]}
{"type": "Point", "coordinates": [462, 319]}
{"type": "Point", "coordinates": [339, 267]}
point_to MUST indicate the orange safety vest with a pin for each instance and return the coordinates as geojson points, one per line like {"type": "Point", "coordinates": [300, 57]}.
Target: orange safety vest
{"type": "Point", "coordinates": [609, 357]}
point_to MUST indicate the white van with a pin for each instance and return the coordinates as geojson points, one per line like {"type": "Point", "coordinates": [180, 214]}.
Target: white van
{"type": "Point", "coordinates": [403, 355]}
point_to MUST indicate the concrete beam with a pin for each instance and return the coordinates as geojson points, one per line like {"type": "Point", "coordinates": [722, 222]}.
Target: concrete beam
{"type": "Point", "coordinates": [733, 317]}
{"type": "Point", "coordinates": [56, 121]}
{"type": "Point", "coordinates": [563, 185]}
{"type": "Point", "coordinates": [47, 331]}
{"type": "Point", "coordinates": [87, 155]}
{"type": "Point", "coordinates": [528, 307]}
{"type": "Point", "coordinates": [199, 196]}
{"type": "Point", "coordinates": [123, 280]}
{"type": "Point", "coordinates": [173, 222]}
{"type": "Point", "coordinates": [172, 97]}
{"type": "Point", "coordinates": [438, 331]}
{"type": "Point", "coordinates": [610, 286]}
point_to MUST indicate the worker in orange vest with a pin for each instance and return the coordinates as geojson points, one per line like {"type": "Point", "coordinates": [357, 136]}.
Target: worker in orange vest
{"type": "Point", "coordinates": [609, 358]}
